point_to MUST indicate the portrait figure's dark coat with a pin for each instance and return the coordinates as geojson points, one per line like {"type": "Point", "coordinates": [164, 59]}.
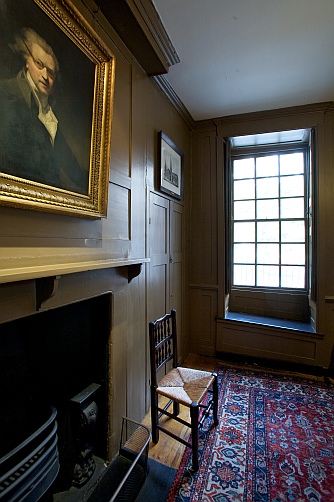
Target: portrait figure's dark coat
{"type": "Point", "coordinates": [25, 147]}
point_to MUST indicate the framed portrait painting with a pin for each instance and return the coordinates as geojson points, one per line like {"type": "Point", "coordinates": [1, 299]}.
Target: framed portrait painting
{"type": "Point", "coordinates": [56, 97]}
{"type": "Point", "coordinates": [170, 167]}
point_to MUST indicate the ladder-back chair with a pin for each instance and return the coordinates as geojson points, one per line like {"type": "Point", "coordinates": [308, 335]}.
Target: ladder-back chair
{"type": "Point", "coordinates": [179, 385]}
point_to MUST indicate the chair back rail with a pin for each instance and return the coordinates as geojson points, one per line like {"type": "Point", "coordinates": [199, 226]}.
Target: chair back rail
{"type": "Point", "coordinates": [163, 343]}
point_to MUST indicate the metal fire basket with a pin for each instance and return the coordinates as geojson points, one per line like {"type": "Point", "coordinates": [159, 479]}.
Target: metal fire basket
{"type": "Point", "coordinates": [27, 471]}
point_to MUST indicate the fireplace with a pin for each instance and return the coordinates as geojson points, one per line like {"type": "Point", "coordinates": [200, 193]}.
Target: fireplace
{"type": "Point", "coordinates": [54, 380]}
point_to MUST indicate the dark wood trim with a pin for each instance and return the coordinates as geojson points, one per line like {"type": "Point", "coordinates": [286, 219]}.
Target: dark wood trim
{"type": "Point", "coordinates": [152, 20]}
{"type": "Point", "coordinates": [139, 26]}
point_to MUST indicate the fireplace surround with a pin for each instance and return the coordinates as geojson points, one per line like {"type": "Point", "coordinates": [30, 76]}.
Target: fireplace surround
{"type": "Point", "coordinates": [67, 322]}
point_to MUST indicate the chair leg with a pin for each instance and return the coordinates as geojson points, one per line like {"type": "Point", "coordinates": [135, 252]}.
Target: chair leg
{"type": "Point", "coordinates": [154, 415]}
{"type": "Point", "coordinates": [176, 408]}
{"type": "Point", "coordinates": [215, 399]}
{"type": "Point", "coordinates": [194, 412]}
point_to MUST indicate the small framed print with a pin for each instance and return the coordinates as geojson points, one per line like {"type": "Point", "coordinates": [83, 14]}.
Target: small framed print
{"type": "Point", "coordinates": [171, 167]}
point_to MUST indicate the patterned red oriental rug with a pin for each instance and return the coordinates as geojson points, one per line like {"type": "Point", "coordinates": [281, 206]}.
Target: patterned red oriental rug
{"type": "Point", "coordinates": [274, 442]}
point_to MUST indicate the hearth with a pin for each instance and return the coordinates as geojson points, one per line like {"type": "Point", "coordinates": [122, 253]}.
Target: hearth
{"type": "Point", "coordinates": [53, 383]}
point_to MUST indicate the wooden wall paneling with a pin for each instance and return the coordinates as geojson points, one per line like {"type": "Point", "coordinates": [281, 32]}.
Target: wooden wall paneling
{"type": "Point", "coordinates": [118, 355]}
{"type": "Point", "coordinates": [138, 161]}
{"type": "Point", "coordinates": [118, 227]}
{"type": "Point", "coordinates": [32, 229]}
{"type": "Point", "coordinates": [120, 158]}
{"type": "Point", "coordinates": [203, 243]}
{"type": "Point", "coordinates": [263, 341]}
{"type": "Point", "coordinates": [203, 321]}
{"type": "Point", "coordinates": [176, 269]}
{"type": "Point", "coordinates": [120, 203]}
{"type": "Point", "coordinates": [137, 344]}
{"type": "Point", "coordinates": [324, 320]}
{"type": "Point", "coordinates": [137, 323]}
{"type": "Point", "coordinates": [17, 300]}
{"type": "Point", "coordinates": [204, 210]}
{"type": "Point", "coordinates": [293, 307]}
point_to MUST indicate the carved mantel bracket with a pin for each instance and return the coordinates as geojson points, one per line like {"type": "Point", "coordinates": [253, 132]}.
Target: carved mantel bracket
{"type": "Point", "coordinates": [46, 288]}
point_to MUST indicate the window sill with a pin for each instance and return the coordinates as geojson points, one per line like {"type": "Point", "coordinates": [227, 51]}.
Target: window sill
{"type": "Point", "coordinates": [270, 321]}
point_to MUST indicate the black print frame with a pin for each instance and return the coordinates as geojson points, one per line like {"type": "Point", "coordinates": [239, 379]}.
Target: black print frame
{"type": "Point", "coordinates": [66, 170]}
{"type": "Point", "coordinates": [171, 165]}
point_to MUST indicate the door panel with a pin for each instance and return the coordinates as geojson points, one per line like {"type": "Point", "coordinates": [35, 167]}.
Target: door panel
{"type": "Point", "coordinates": [176, 267]}
{"type": "Point", "coordinates": [158, 291]}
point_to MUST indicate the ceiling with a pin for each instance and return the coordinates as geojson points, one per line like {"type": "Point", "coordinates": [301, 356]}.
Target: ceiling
{"type": "Point", "coordinates": [240, 56]}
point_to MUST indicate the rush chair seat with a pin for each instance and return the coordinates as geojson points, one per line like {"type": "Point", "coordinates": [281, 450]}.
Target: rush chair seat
{"type": "Point", "coordinates": [179, 385]}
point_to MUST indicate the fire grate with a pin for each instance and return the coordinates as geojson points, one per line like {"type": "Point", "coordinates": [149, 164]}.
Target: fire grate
{"type": "Point", "coordinates": [27, 471]}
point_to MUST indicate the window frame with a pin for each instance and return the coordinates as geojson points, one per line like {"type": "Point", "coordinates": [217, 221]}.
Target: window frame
{"type": "Point", "coordinates": [262, 295]}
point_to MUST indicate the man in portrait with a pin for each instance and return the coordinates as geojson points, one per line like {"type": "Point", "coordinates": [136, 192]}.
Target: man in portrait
{"type": "Point", "coordinates": [32, 145]}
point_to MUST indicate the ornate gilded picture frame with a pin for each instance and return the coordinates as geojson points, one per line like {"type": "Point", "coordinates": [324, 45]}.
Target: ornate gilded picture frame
{"type": "Point", "coordinates": [170, 167]}
{"type": "Point", "coordinates": [56, 97]}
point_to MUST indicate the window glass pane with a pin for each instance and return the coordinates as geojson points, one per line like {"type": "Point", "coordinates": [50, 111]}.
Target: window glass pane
{"type": "Point", "coordinates": [244, 189]}
{"type": "Point", "coordinates": [267, 209]}
{"type": "Point", "coordinates": [267, 166]}
{"type": "Point", "coordinates": [244, 210]}
{"type": "Point", "coordinates": [267, 188]}
{"type": "Point", "coordinates": [293, 277]}
{"type": "Point", "coordinates": [244, 253]}
{"type": "Point", "coordinates": [244, 275]}
{"type": "Point", "coordinates": [292, 208]}
{"type": "Point", "coordinates": [244, 232]}
{"type": "Point", "coordinates": [268, 231]}
{"type": "Point", "coordinates": [293, 254]}
{"type": "Point", "coordinates": [267, 276]}
{"type": "Point", "coordinates": [268, 254]}
{"type": "Point", "coordinates": [243, 168]}
{"type": "Point", "coordinates": [292, 163]}
{"type": "Point", "coordinates": [293, 231]}
{"type": "Point", "coordinates": [292, 186]}
{"type": "Point", "coordinates": [269, 247]}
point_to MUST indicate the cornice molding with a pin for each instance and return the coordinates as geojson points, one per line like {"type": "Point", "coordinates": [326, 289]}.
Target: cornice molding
{"type": "Point", "coordinates": [171, 95]}
{"type": "Point", "coordinates": [323, 107]}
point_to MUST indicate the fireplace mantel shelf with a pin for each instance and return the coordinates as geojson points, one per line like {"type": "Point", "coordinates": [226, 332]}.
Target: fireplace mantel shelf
{"type": "Point", "coordinates": [34, 271]}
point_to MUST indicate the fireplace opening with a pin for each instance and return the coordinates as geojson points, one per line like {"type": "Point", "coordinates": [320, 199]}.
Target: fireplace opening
{"type": "Point", "coordinates": [55, 363]}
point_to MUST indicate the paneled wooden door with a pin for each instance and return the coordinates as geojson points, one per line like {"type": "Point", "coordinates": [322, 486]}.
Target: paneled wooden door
{"type": "Point", "coordinates": [165, 241]}
{"type": "Point", "coordinates": [158, 247]}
